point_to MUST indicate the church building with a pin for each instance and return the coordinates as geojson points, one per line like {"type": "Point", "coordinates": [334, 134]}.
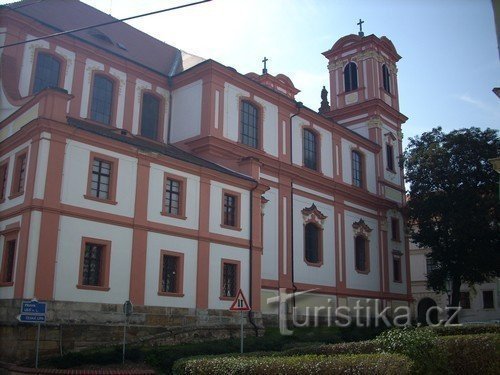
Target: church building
{"type": "Point", "coordinates": [132, 170]}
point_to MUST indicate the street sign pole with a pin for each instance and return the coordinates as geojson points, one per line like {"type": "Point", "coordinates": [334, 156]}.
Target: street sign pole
{"type": "Point", "coordinates": [37, 344]}
{"type": "Point", "coordinates": [240, 304]}
{"type": "Point", "coordinates": [241, 331]}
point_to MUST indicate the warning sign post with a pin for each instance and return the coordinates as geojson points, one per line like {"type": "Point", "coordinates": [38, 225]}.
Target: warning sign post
{"type": "Point", "coordinates": [240, 304]}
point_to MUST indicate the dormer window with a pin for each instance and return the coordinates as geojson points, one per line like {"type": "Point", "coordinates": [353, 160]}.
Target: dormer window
{"type": "Point", "coordinates": [351, 77]}
{"type": "Point", "coordinates": [47, 72]}
{"type": "Point", "coordinates": [310, 149]}
{"type": "Point", "coordinates": [249, 121]}
{"type": "Point", "coordinates": [102, 99]}
{"type": "Point", "coordinates": [386, 78]}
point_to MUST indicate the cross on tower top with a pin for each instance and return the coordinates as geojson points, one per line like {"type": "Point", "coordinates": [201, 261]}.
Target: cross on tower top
{"type": "Point", "coordinates": [264, 71]}
{"type": "Point", "coordinates": [360, 23]}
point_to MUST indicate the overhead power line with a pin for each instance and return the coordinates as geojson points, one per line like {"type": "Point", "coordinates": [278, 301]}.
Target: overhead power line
{"type": "Point", "coordinates": [104, 23]}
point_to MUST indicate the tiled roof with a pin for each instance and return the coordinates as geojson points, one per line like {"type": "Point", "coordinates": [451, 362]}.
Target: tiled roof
{"type": "Point", "coordinates": [149, 146]}
{"type": "Point", "coordinates": [120, 38]}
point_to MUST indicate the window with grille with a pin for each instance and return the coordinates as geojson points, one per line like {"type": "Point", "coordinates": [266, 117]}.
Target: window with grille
{"type": "Point", "coordinates": [229, 279]}
{"type": "Point", "coordinates": [249, 118]}
{"type": "Point", "coordinates": [101, 179]}
{"type": "Point", "coordinates": [389, 151]}
{"type": "Point", "coordinates": [230, 210]}
{"type": "Point", "coordinates": [172, 197]}
{"type": "Point", "coordinates": [92, 273]}
{"type": "Point", "coordinates": [357, 169]}
{"type": "Point", "coordinates": [360, 256]}
{"type": "Point", "coordinates": [351, 77]}
{"type": "Point", "coordinates": [47, 72]}
{"type": "Point", "coordinates": [8, 261]}
{"type": "Point", "coordinates": [310, 150]}
{"type": "Point", "coordinates": [150, 116]}
{"type": "Point", "coordinates": [386, 78]}
{"type": "Point", "coordinates": [102, 99]}
{"type": "Point", "coordinates": [312, 243]}
{"type": "Point", "coordinates": [170, 274]}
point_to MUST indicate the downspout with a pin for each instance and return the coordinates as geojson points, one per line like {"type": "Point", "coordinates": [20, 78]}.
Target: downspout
{"type": "Point", "coordinates": [299, 105]}
{"type": "Point", "coordinates": [250, 268]}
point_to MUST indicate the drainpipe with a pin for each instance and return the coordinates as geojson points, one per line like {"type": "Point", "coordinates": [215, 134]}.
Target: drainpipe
{"type": "Point", "coordinates": [250, 312]}
{"type": "Point", "coordinates": [299, 106]}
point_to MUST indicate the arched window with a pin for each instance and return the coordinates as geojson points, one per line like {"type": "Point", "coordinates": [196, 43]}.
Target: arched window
{"type": "Point", "coordinates": [150, 115]}
{"type": "Point", "coordinates": [102, 99]}
{"type": "Point", "coordinates": [357, 169]}
{"type": "Point", "coordinates": [47, 72]}
{"type": "Point", "coordinates": [249, 118]}
{"type": "Point", "coordinates": [351, 77]}
{"type": "Point", "coordinates": [361, 254]}
{"type": "Point", "coordinates": [310, 149]}
{"type": "Point", "coordinates": [387, 78]}
{"type": "Point", "coordinates": [312, 243]}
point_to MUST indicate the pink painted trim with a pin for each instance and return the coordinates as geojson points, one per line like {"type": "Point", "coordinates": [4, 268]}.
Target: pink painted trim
{"type": "Point", "coordinates": [105, 264]}
{"type": "Point", "coordinates": [182, 195]}
{"type": "Point", "coordinates": [112, 181]}
{"type": "Point", "coordinates": [238, 275]}
{"type": "Point", "coordinates": [179, 277]}
{"type": "Point", "coordinates": [237, 214]}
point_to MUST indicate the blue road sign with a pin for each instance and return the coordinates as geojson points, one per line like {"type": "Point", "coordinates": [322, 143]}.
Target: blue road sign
{"type": "Point", "coordinates": [28, 318]}
{"type": "Point", "coordinates": [33, 307]}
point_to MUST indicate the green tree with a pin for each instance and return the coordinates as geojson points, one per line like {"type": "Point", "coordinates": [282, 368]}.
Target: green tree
{"type": "Point", "coordinates": [453, 207]}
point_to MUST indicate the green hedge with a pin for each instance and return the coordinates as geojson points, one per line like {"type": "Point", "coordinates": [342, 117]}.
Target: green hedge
{"type": "Point", "coordinates": [303, 365]}
{"type": "Point", "coordinates": [473, 329]}
{"type": "Point", "coordinates": [472, 354]}
{"type": "Point", "coordinates": [358, 347]}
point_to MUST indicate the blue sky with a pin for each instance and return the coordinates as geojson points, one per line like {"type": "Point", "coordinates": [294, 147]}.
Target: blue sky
{"type": "Point", "coordinates": [450, 60]}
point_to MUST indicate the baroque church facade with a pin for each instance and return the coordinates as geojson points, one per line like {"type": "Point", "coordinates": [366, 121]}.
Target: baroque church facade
{"type": "Point", "coordinates": [131, 170]}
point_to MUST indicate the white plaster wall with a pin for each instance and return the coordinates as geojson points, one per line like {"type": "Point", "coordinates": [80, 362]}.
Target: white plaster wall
{"type": "Point", "coordinates": [324, 275]}
{"type": "Point", "coordinates": [370, 173]}
{"type": "Point", "coordinates": [27, 63]}
{"type": "Point", "coordinates": [217, 253]}
{"type": "Point", "coordinates": [395, 287]}
{"type": "Point", "coordinates": [216, 210]}
{"type": "Point", "coordinates": [270, 124]}
{"type": "Point", "coordinates": [69, 73]}
{"type": "Point", "coordinates": [297, 124]}
{"type": "Point", "coordinates": [155, 197]}
{"type": "Point", "coordinates": [186, 111]}
{"type": "Point", "coordinates": [75, 180]}
{"type": "Point", "coordinates": [68, 261]}
{"type": "Point", "coordinates": [7, 292]}
{"type": "Point", "coordinates": [6, 109]}
{"type": "Point", "coordinates": [418, 266]}
{"type": "Point", "coordinates": [165, 94]}
{"type": "Point", "coordinates": [326, 148]}
{"type": "Point", "coordinates": [122, 88]}
{"type": "Point", "coordinates": [32, 259]}
{"type": "Point", "coordinates": [12, 127]}
{"type": "Point", "coordinates": [11, 156]}
{"type": "Point", "coordinates": [42, 165]}
{"type": "Point", "coordinates": [265, 307]}
{"type": "Point", "coordinates": [395, 178]}
{"type": "Point", "coordinates": [90, 66]}
{"type": "Point", "coordinates": [189, 247]}
{"type": "Point", "coordinates": [232, 96]}
{"type": "Point", "coordinates": [355, 280]}
{"type": "Point", "coordinates": [270, 256]}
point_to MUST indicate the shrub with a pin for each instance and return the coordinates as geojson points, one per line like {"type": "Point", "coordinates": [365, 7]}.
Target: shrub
{"type": "Point", "coordinates": [454, 330]}
{"type": "Point", "coordinates": [308, 364]}
{"type": "Point", "coordinates": [358, 347]}
{"type": "Point", "coordinates": [472, 354]}
{"type": "Point", "coordinates": [420, 345]}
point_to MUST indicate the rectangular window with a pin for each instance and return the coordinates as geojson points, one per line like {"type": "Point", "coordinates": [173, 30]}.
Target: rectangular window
{"type": "Point", "coordinates": [171, 273]}
{"type": "Point", "coordinates": [488, 299]}
{"type": "Point", "coordinates": [94, 264]}
{"type": "Point", "coordinates": [9, 256]}
{"type": "Point", "coordinates": [4, 168]}
{"type": "Point", "coordinates": [102, 178]}
{"type": "Point", "coordinates": [230, 279]}
{"type": "Point", "coordinates": [46, 72]}
{"type": "Point", "coordinates": [150, 115]}
{"type": "Point", "coordinates": [102, 99]}
{"type": "Point", "coordinates": [390, 157]}
{"type": "Point", "coordinates": [357, 169]}
{"type": "Point", "coordinates": [395, 229]}
{"type": "Point", "coordinates": [19, 177]}
{"type": "Point", "coordinates": [396, 268]}
{"type": "Point", "coordinates": [465, 300]}
{"type": "Point", "coordinates": [231, 210]}
{"type": "Point", "coordinates": [430, 265]}
{"type": "Point", "coordinates": [174, 196]}
{"type": "Point", "coordinates": [249, 124]}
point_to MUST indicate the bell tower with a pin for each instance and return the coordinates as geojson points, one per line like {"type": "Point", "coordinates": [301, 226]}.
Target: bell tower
{"type": "Point", "coordinates": [363, 83]}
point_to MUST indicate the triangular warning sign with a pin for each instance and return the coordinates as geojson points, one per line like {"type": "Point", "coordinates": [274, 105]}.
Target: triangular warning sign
{"type": "Point", "coordinates": [240, 303]}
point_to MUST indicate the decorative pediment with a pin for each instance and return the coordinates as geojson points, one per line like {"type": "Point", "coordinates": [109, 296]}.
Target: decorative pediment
{"type": "Point", "coordinates": [312, 214]}
{"type": "Point", "coordinates": [360, 227]}
{"type": "Point", "coordinates": [390, 136]}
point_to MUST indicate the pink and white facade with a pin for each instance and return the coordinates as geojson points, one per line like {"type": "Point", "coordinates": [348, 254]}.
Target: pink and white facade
{"type": "Point", "coordinates": [322, 216]}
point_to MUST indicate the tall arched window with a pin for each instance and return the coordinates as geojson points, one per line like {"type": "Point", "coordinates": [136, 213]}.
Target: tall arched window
{"type": "Point", "coordinates": [249, 119]}
{"type": "Point", "coordinates": [312, 243]}
{"type": "Point", "coordinates": [102, 99]}
{"type": "Point", "coordinates": [357, 169]}
{"type": "Point", "coordinates": [351, 77]}
{"type": "Point", "coordinates": [361, 254]}
{"type": "Point", "coordinates": [47, 72]}
{"type": "Point", "coordinates": [387, 78]}
{"type": "Point", "coordinates": [310, 149]}
{"type": "Point", "coordinates": [150, 115]}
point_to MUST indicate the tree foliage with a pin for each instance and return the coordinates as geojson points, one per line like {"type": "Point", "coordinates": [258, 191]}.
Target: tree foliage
{"type": "Point", "coordinates": [454, 205]}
